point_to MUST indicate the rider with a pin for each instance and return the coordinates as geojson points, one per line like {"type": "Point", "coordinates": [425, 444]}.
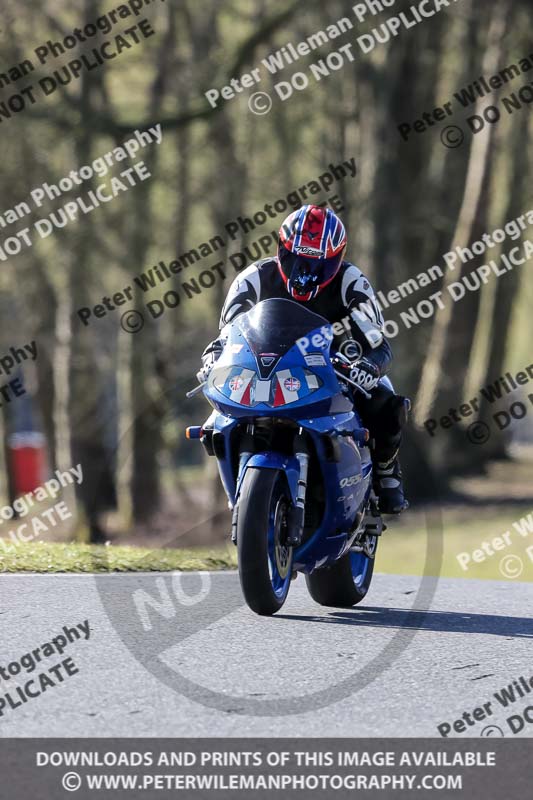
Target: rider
{"type": "Point", "coordinates": [309, 267]}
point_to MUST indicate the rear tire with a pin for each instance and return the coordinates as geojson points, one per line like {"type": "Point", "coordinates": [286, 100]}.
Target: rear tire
{"type": "Point", "coordinates": [265, 565]}
{"type": "Point", "coordinates": [344, 583]}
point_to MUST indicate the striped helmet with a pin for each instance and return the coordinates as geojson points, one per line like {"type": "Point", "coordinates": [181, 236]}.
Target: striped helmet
{"type": "Point", "coordinates": [312, 241]}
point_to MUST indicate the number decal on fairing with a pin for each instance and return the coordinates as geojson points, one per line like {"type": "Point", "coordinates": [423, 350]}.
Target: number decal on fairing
{"type": "Point", "coordinates": [350, 481]}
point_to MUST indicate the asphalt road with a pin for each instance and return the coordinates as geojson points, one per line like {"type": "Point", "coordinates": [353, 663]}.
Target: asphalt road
{"type": "Point", "coordinates": [181, 656]}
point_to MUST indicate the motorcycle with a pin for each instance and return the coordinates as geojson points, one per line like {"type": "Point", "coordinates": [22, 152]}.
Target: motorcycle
{"type": "Point", "coordinates": [293, 458]}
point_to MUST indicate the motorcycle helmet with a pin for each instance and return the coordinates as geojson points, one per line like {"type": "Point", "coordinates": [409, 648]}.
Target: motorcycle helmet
{"type": "Point", "coordinates": [312, 242]}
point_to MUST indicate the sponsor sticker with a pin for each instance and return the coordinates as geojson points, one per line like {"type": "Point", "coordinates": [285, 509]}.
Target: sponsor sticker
{"type": "Point", "coordinates": [315, 360]}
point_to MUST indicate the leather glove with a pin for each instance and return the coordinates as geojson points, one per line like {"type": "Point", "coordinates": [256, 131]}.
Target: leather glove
{"type": "Point", "coordinates": [364, 373]}
{"type": "Point", "coordinates": [210, 355]}
{"type": "Point", "coordinates": [203, 373]}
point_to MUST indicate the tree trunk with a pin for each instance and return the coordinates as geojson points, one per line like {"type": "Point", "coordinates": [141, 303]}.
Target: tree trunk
{"type": "Point", "coordinates": [92, 386]}
{"type": "Point", "coordinates": [148, 399]}
{"type": "Point", "coordinates": [442, 333]}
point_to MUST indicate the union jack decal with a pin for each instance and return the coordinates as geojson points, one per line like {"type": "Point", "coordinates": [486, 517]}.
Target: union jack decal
{"type": "Point", "coordinates": [292, 384]}
{"type": "Point", "coordinates": [236, 383]}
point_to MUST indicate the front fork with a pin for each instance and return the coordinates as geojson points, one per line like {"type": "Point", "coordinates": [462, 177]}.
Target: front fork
{"type": "Point", "coordinates": [296, 514]}
{"type": "Point", "coordinates": [246, 452]}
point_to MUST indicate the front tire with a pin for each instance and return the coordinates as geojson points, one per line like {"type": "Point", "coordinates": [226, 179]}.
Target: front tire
{"type": "Point", "coordinates": [344, 583]}
{"type": "Point", "coordinates": [265, 564]}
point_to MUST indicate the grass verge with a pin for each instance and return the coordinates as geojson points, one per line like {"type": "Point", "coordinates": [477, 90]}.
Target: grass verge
{"type": "Point", "coordinates": [402, 550]}
{"type": "Point", "coordinates": [50, 557]}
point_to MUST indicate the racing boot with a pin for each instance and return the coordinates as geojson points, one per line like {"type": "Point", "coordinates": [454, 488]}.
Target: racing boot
{"type": "Point", "coordinates": [388, 486]}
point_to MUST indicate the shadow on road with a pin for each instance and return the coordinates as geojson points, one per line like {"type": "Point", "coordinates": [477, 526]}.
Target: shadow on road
{"type": "Point", "coordinates": [446, 621]}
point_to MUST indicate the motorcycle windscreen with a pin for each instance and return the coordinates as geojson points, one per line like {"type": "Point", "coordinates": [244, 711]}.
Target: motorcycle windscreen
{"type": "Point", "coordinates": [270, 330]}
{"type": "Point", "coordinates": [273, 326]}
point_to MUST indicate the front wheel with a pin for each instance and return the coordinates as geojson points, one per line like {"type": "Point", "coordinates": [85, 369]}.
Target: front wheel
{"type": "Point", "coordinates": [344, 583]}
{"type": "Point", "coordinates": [265, 563]}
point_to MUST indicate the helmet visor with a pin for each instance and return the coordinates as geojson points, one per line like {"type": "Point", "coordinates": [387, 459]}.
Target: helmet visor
{"type": "Point", "coordinates": [305, 273]}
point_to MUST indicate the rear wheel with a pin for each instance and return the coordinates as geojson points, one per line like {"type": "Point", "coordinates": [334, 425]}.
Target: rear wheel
{"type": "Point", "coordinates": [346, 581]}
{"type": "Point", "coordinates": [265, 563]}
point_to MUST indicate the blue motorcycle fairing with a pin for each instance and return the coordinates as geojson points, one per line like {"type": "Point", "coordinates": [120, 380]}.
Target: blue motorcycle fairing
{"type": "Point", "coordinates": [343, 505]}
{"type": "Point", "coordinates": [244, 384]}
{"type": "Point", "coordinates": [323, 410]}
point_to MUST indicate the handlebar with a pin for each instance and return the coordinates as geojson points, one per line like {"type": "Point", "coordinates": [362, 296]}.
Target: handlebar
{"type": "Point", "coordinates": [196, 390]}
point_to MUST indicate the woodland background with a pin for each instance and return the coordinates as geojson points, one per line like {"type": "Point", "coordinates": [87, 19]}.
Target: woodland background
{"type": "Point", "coordinates": [114, 401]}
